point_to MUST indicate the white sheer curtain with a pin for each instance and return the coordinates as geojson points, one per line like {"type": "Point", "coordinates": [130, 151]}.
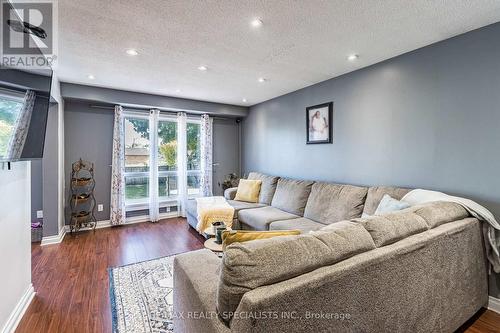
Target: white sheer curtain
{"type": "Point", "coordinates": [206, 155]}
{"type": "Point", "coordinates": [154, 205]}
{"type": "Point", "coordinates": [117, 206]}
{"type": "Point", "coordinates": [181, 163]}
{"type": "Point", "coordinates": [18, 138]}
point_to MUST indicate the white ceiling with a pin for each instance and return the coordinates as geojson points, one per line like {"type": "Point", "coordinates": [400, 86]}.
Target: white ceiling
{"type": "Point", "coordinates": [300, 43]}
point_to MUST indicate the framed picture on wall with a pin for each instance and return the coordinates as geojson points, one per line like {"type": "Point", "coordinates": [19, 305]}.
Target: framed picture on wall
{"type": "Point", "coordinates": [319, 120]}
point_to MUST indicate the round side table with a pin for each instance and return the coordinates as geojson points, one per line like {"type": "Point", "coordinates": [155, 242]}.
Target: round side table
{"type": "Point", "coordinates": [212, 245]}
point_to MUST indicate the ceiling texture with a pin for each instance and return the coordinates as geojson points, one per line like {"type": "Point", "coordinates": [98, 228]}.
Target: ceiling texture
{"type": "Point", "coordinates": [299, 43]}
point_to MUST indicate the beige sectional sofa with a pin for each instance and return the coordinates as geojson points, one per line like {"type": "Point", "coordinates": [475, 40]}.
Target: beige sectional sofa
{"type": "Point", "coordinates": [422, 269]}
{"type": "Point", "coordinates": [305, 205]}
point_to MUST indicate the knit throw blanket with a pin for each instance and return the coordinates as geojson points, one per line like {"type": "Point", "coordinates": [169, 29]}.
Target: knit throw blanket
{"type": "Point", "coordinates": [213, 209]}
{"type": "Point", "coordinates": [491, 227]}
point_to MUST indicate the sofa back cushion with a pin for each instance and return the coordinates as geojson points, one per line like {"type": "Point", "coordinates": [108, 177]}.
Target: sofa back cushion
{"type": "Point", "coordinates": [329, 203]}
{"type": "Point", "coordinates": [440, 212]}
{"type": "Point", "coordinates": [375, 194]}
{"type": "Point", "coordinates": [392, 227]}
{"type": "Point", "coordinates": [291, 195]}
{"type": "Point", "coordinates": [249, 265]}
{"type": "Point", "coordinates": [267, 188]}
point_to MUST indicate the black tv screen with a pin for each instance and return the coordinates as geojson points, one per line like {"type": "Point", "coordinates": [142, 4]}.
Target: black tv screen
{"type": "Point", "coordinates": [14, 85]}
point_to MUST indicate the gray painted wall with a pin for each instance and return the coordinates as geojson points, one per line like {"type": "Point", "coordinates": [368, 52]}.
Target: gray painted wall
{"type": "Point", "coordinates": [50, 176]}
{"type": "Point", "coordinates": [89, 132]}
{"type": "Point", "coordinates": [44, 178]}
{"type": "Point", "coordinates": [429, 119]}
{"type": "Point", "coordinates": [36, 187]}
{"type": "Point", "coordinates": [226, 151]}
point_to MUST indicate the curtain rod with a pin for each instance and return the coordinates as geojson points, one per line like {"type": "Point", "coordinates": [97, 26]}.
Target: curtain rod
{"type": "Point", "coordinates": [145, 109]}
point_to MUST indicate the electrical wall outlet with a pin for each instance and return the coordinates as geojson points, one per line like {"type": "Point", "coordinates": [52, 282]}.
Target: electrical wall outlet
{"type": "Point", "coordinates": [39, 214]}
{"type": "Point", "coordinates": [100, 208]}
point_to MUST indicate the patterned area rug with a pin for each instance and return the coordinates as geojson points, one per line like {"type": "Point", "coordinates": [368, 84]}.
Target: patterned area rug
{"type": "Point", "coordinates": [142, 296]}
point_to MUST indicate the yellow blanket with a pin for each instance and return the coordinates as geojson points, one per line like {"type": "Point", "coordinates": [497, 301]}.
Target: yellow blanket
{"type": "Point", "coordinates": [213, 209]}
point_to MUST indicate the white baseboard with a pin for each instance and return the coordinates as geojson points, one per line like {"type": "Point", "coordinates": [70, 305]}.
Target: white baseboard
{"type": "Point", "coordinates": [19, 310]}
{"type": "Point", "coordinates": [494, 304]}
{"type": "Point", "coordinates": [99, 225]}
{"type": "Point", "coordinates": [54, 239]}
{"type": "Point", "coordinates": [129, 220]}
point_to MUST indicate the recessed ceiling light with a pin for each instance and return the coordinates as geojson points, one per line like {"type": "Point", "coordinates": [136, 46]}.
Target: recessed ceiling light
{"type": "Point", "coordinates": [244, 100]}
{"type": "Point", "coordinates": [352, 57]}
{"type": "Point", "coordinates": [256, 23]}
{"type": "Point", "coordinates": [178, 90]}
{"type": "Point", "coordinates": [202, 68]}
{"type": "Point", "coordinates": [90, 77]}
{"type": "Point", "coordinates": [132, 52]}
{"type": "Point", "coordinates": [262, 79]}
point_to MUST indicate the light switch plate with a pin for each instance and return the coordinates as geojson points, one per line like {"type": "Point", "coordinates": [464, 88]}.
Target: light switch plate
{"type": "Point", "coordinates": [39, 214]}
{"type": "Point", "coordinates": [100, 208]}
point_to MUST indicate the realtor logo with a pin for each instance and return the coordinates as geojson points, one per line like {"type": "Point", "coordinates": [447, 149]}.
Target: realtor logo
{"type": "Point", "coordinates": [28, 30]}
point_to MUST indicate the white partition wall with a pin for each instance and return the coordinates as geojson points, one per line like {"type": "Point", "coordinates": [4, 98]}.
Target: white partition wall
{"type": "Point", "coordinates": [16, 290]}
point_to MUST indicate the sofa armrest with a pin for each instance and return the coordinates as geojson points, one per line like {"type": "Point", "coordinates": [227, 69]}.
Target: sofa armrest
{"type": "Point", "coordinates": [230, 193]}
{"type": "Point", "coordinates": [195, 279]}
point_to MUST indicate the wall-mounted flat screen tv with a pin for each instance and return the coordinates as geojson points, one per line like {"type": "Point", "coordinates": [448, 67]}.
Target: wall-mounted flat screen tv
{"type": "Point", "coordinates": [24, 105]}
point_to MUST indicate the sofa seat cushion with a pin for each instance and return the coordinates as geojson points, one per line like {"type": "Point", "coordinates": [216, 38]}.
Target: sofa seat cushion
{"type": "Point", "coordinates": [303, 224]}
{"type": "Point", "coordinates": [260, 218]}
{"type": "Point", "coordinates": [240, 205]}
{"type": "Point", "coordinates": [392, 227]}
{"type": "Point", "coordinates": [267, 188]}
{"type": "Point", "coordinates": [249, 265]}
{"type": "Point", "coordinates": [291, 195]}
{"type": "Point", "coordinates": [376, 193]}
{"type": "Point", "coordinates": [329, 203]}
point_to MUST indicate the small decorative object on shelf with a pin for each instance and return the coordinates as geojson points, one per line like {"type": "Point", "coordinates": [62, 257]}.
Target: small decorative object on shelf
{"type": "Point", "coordinates": [231, 180]}
{"type": "Point", "coordinates": [82, 201]}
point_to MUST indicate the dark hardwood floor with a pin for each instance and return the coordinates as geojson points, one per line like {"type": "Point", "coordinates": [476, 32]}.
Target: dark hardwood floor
{"type": "Point", "coordinates": [71, 278]}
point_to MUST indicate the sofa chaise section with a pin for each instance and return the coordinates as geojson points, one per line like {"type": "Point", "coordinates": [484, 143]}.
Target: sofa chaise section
{"type": "Point", "coordinates": [195, 281]}
{"type": "Point", "coordinates": [429, 281]}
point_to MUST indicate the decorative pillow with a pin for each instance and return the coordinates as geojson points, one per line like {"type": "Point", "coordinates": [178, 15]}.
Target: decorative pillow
{"type": "Point", "coordinates": [248, 190]}
{"type": "Point", "coordinates": [389, 204]}
{"type": "Point", "coordinates": [238, 236]}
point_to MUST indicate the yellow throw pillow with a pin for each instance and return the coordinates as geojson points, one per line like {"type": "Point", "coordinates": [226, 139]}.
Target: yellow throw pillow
{"type": "Point", "coordinates": [238, 236]}
{"type": "Point", "coordinates": [248, 190]}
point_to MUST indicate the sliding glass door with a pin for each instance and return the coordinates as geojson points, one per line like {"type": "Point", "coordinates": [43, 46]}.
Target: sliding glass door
{"type": "Point", "coordinates": [139, 159]}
